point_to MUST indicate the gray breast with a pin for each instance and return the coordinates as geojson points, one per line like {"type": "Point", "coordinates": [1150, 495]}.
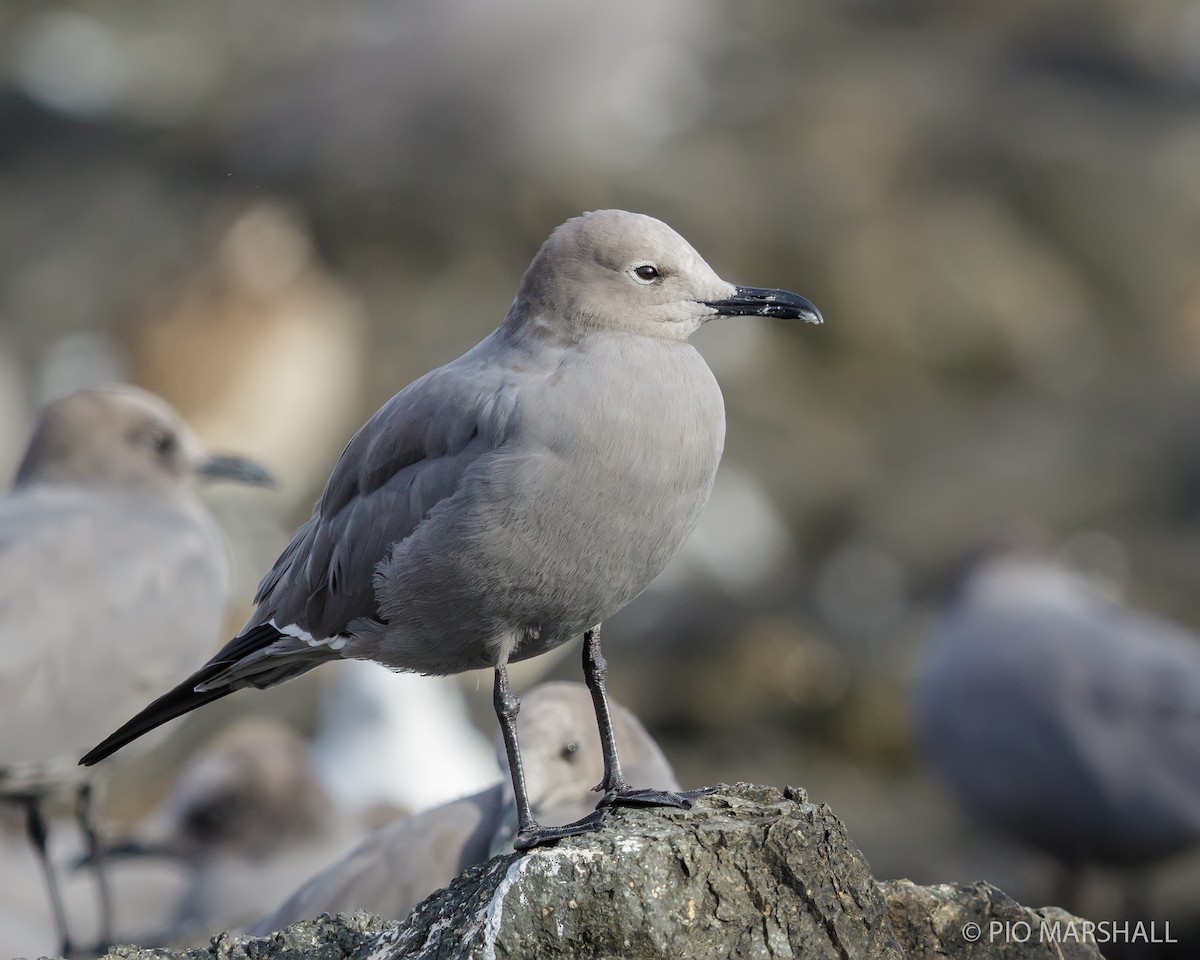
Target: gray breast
{"type": "Point", "coordinates": [558, 530]}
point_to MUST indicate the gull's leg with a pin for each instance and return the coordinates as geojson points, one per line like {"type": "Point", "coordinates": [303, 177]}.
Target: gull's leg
{"type": "Point", "coordinates": [35, 827]}
{"type": "Point", "coordinates": [507, 706]}
{"type": "Point", "coordinates": [595, 672]}
{"type": "Point", "coordinates": [529, 832]}
{"type": "Point", "coordinates": [95, 853]}
{"type": "Point", "coordinates": [615, 787]}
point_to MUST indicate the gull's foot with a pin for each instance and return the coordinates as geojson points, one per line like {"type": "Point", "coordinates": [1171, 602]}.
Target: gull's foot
{"type": "Point", "coordinates": [541, 836]}
{"type": "Point", "coordinates": [683, 799]}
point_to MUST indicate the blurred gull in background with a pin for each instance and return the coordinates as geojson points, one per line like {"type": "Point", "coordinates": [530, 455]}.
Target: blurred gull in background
{"type": "Point", "coordinates": [402, 863]}
{"type": "Point", "coordinates": [248, 815]}
{"type": "Point", "coordinates": [113, 578]}
{"type": "Point", "coordinates": [1065, 720]}
{"type": "Point", "coordinates": [145, 891]}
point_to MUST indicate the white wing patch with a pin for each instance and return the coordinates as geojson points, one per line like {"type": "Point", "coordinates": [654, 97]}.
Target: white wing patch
{"type": "Point", "coordinates": [291, 630]}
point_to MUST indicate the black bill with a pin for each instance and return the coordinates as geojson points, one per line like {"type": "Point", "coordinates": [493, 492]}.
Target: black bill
{"type": "Point", "coordinates": [757, 302]}
{"type": "Point", "coordinates": [239, 469]}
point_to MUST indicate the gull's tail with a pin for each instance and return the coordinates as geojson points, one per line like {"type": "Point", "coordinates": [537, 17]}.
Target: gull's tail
{"type": "Point", "coordinates": [260, 657]}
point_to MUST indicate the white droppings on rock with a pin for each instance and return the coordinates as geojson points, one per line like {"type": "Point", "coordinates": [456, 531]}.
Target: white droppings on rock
{"type": "Point", "coordinates": [630, 844]}
{"type": "Point", "coordinates": [493, 913]}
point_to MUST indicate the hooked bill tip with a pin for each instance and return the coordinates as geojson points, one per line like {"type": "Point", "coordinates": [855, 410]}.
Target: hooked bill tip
{"type": "Point", "coordinates": [760, 302]}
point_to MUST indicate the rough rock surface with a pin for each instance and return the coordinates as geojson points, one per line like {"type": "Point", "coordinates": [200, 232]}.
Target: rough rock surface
{"type": "Point", "coordinates": [952, 921]}
{"type": "Point", "coordinates": [749, 872]}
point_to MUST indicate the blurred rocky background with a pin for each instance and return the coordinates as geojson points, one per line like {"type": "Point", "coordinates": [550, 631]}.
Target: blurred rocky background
{"type": "Point", "coordinates": [277, 214]}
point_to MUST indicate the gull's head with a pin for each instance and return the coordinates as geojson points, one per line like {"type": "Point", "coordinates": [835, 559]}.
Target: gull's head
{"type": "Point", "coordinates": [120, 436]}
{"type": "Point", "coordinates": [614, 270]}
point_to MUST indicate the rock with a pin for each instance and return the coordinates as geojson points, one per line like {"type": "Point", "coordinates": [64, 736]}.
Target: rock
{"type": "Point", "coordinates": [950, 921]}
{"type": "Point", "coordinates": [325, 938]}
{"type": "Point", "coordinates": [750, 871]}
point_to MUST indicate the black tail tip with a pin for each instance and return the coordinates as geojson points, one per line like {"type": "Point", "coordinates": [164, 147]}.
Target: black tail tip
{"type": "Point", "coordinates": [183, 699]}
{"type": "Point", "coordinates": [106, 748]}
{"type": "Point", "coordinates": [94, 756]}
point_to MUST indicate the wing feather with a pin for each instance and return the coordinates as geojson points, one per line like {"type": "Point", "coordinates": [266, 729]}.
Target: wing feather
{"type": "Point", "coordinates": [408, 458]}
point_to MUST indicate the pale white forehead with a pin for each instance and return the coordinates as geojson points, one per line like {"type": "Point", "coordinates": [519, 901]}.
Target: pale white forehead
{"type": "Point", "coordinates": [122, 396]}
{"type": "Point", "coordinates": [617, 237]}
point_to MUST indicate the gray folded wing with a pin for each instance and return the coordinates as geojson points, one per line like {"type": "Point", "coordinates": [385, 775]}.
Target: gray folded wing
{"type": "Point", "coordinates": [411, 455]}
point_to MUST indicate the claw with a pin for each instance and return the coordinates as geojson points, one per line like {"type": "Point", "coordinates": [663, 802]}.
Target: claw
{"type": "Point", "coordinates": [682, 799]}
{"type": "Point", "coordinates": [542, 836]}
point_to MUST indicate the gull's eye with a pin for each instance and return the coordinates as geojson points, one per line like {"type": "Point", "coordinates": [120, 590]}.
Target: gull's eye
{"type": "Point", "coordinates": [647, 273]}
{"type": "Point", "coordinates": [569, 750]}
{"type": "Point", "coordinates": [161, 442]}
